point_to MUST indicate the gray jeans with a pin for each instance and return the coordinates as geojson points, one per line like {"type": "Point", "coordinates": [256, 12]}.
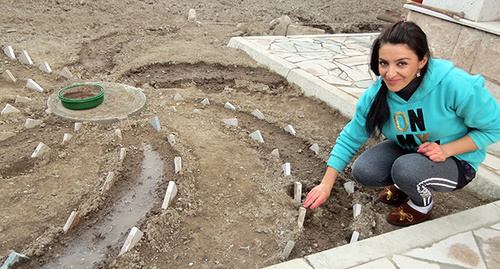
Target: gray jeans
{"type": "Point", "coordinates": [387, 163]}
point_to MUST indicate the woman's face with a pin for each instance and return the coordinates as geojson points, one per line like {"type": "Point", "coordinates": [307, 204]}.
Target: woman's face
{"type": "Point", "coordinates": [398, 65]}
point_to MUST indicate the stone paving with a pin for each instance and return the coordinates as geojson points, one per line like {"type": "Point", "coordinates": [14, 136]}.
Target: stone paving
{"type": "Point", "coordinates": [334, 68]}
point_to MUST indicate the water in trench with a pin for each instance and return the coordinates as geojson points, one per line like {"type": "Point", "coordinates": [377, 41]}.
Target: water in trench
{"type": "Point", "coordinates": [92, 245]}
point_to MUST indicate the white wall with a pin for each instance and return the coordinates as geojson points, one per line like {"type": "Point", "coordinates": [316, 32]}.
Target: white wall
{"type": "Point", "coordinates": [476, 10]}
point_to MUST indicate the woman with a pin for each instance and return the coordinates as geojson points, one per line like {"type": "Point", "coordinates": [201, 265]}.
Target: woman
{"type": "Point", "coordinates": [437, 121]}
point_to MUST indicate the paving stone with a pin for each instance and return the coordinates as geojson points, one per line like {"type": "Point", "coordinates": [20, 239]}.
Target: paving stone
{"type": "Point", "coordinates": [7, 75]}
{"type": "Point", "coordinates": [458, 250]}
{"type": "Point", "coordinates": [25, 58]}
{"type": "Point", "coordinates": [297, 192]}
{"type": "Point", "coordinates": [45, 67]}
{"type": "Point", "coordinates": [295, 58]}
{"type": "Point", "coordinates": [9, 52]}
{"type": "Point", "coordinates": [155, 122]}
{"type": "Point", "coordinates": [410, 263]}
{"type": "Point", "coordinates": [352, 52]}
{"type": "Point", "coordinates": [337, 48]}
{"type": "Point", "coordinates": [15, 260]}
{"type": "Point", "coordinates": [72, 221]}
{"type": "Point", "coordinates": [286, 169]}
{"type": "Point", "coordinates": [354, 237]}
{"type": "Point", "coordinates": [31, 123]}
{"type": "Point", "coordinates": [178, 164]}
{"type": "Point", "coordinates": [231, 122]}
{"type": "Point", "coordinates": [355, 60]}
{"type": "Point", "coordinates": [489, 244]}
{"type": "Point", "coordinates": [288, 249]}
{"type": "Point", "coordinates": [279, 50]}
{"type": "Point", "coordinates": [344, 75]}
{"type": "Point", "coordinates": [354, 74]}
{"type": "Point", "coordinates": [313, 68]}
{"type": "Point", "coordinates": [290, 130]}
{"type": "Point", "coordinates": [284, 54]}
{"type": "Point", "coordinates": [169, 194]}
{"type": "Point", "coordinates": [315, 148]}
{"type": "Point", "coordinates": [306, 45]}
{"type": "Point", "coordinates": [257, 136]}
{"type": "Point", "coordinates": [264, 42]}
{"type": "Point", "coordinates": [110, 181]}
{"type": "Point", "coordinates": [311, 55]}
{"type": "Point", "coordinates": [302, 217]}
{"type": "Point", "coordinates": [334, 80]}
{"type": "Point", "coordinates": [40, 150]}
{"type": "Point", "coordinates": [9, 109]}
{"type": "Point", "coordinates": [328, 65]}
{"type": "Point", "coordinates": [258, 114]}
{"type": "Point", "coordinates": [133, 238]}
{"type": "Point", "coordinates": [123, 153]}
{"type": "Point", "coordinates": [33, 85]}
{"type": "Point", "coordinates": [284, 45]}
{"type": "Point", "coordinates": [6, 135]}
{"type": "Point", "coordinates": [335, 72]}
{"type": "Point", "coordinates": [229, 105]}
{"type": "Point", "coordinates": [377, 264]}
{"type": "Point", "coordinates": [66, 73]}
{"type": "Point", "coordinates": [364, 83]}
{"type": "Point", "coordinates": [338, 39]}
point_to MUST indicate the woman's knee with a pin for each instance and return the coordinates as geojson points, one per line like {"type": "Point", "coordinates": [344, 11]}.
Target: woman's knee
{"type": "Point", "coordinates": [365, 174]}
{"type": "Point", "coordinates": [405, 170]}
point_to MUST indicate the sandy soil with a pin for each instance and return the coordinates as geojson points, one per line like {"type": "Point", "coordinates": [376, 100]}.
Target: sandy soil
{"type": "Point", "coordinates": [234, 208]}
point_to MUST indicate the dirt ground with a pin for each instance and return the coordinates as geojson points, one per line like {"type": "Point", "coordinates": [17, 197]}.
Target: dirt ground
{"type": "Point", "coordinates": [234, 207]}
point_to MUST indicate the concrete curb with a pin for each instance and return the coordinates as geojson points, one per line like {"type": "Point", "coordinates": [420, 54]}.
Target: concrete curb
{"type": "Point", "coordinates": [418, 236]}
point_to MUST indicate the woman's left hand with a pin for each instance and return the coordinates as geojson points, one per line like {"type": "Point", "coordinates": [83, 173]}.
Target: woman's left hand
{"type": "Point", "coordinates": [433, 151]}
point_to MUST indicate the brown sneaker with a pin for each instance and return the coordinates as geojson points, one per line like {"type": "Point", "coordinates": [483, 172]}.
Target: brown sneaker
{"type": "Point", "coordinates": [392, 195]}
{"type": "Point", "coordinates": [405, 215]}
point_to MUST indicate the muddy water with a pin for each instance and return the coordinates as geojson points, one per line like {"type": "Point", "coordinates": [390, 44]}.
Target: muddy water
{"type": "Point", "coordinates": [92, 245]}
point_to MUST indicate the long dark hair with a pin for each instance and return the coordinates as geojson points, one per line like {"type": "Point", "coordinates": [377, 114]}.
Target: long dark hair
{"type": "Point", "coordinates": [399, 33]}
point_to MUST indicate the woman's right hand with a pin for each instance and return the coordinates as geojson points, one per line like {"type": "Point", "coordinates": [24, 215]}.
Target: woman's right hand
{"type": "Point", "coordinates": [317, 196]}
{"type": "Point", "coordinates": [320, 193]}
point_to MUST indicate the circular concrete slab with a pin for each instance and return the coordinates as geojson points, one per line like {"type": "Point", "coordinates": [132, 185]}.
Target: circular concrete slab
{"type": "Point", "coordinates": [120, 101]}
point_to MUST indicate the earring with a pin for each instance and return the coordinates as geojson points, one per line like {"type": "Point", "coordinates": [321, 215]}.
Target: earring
{"type": "Point", "coordinates": [418, 74]}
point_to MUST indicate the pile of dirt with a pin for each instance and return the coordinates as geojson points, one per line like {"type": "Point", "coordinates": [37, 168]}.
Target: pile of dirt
{"type": "Point", "coordinates": [234, 207]}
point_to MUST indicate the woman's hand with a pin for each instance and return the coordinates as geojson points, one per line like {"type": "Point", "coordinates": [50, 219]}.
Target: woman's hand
{"type": "Point", "coordinates": [439, 153]}
{"type": "Point", "coordinates": [433, 151]}
{"type": "Point", "coordinates": [317, 196]}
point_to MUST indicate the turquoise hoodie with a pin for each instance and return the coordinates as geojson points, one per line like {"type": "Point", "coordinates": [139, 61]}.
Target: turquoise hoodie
{"type": "Point", "coordinates": [448, 104]}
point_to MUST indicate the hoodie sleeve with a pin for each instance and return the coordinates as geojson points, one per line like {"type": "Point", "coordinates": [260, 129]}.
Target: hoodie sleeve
{"type": "Point", "coordinates": [481, 113]}
{"type": "Point", "coordinates": [354, 134]}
